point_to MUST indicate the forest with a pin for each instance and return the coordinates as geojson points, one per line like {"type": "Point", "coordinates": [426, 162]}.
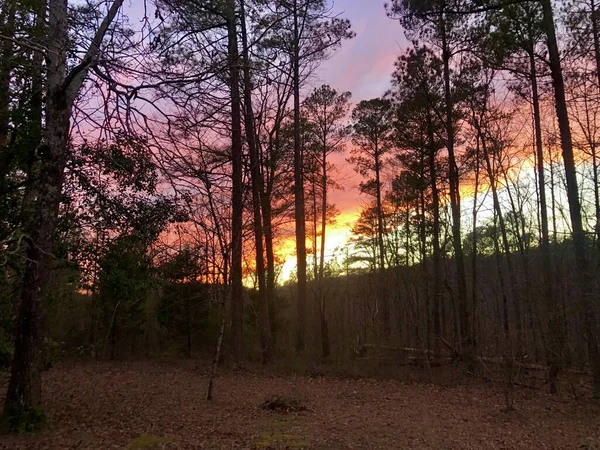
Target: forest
{"type": "Point", "coordinates": [190, 214]}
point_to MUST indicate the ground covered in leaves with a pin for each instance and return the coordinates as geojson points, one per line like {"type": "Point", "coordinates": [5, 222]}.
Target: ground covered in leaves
{"type": "Point", "coordinates": [156, 405]}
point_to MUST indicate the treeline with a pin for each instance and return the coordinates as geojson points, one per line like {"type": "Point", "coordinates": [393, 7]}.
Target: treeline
{"type": "Point", "coordinates": [481, 234]}
{"type": "Point", "coordinates": [489, 109]}
{"type": "Point", "coordinates": [147, 171]}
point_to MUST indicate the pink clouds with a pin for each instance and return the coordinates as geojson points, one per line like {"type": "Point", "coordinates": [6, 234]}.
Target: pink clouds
{"type": "Point", "coordinates": [364, 64]}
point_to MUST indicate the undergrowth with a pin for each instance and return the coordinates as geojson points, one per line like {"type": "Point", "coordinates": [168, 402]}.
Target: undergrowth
{"type": "Point", "coordinates": [23, 419]}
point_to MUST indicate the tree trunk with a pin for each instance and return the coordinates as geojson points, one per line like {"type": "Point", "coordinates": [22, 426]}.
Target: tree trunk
{"type": "Point", "coordinates": [314, 231]}
{"type": "Point", "coordinates": [437, 260]}
{"type": "Point", "coordinates": [467, 345]}
{"type": "Point", "coordinates": [323, 214]}
{"type": "Point", "coordinates": [237, 290]}
{"type": "Point", "coordinates": [474, 279]}
{"type": "Point", "coordinates": [35, 126]}
{"type": "Point", "coordinates": [270, 251]}
{"type": "Point", "coordinates": [385, 306]}
{"type": "Point", "coordinates": [553, 200]}
{"type": "Point", "coordinates": [257, 189]}
{"type": "Point", "coordinates": [537, 120]}
{"type": "Point", "coordinates": [541, 176]}
{"type": "Point", "coordinates": [498, 258]}
{"type": "Point", "coordinates": [499, 217]}
{"type": "Point", "coordinates": [215, 361]}
{"type": "Point", "coordinates": [325, 346]}
{"type": "Point", "coordinates": [299, 215]}
{"type": "Point", "coordinates": [423, 244]}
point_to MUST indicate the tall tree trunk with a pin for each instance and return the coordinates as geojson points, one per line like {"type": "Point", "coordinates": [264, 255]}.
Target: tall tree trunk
{"type": "Point", "coordinates": [498, 258]}
{"type": "Point", "coordinates": [237, 290]}
{"type": "Point", "coordinates": [541, 178]}
{"type": "Point", "coordinates": [407, 244]}
{"type": "Point", "coordinates": [467, 345]}
{"type": "Point", "coordinates": [539, 148]}
{"type": "Point", "coordinates": [474, 253]}
{"type": "Point", "coordinates": [35, 126]}
{"type": "Point", "coordinates": [300, 216]}
{"type": "Point", "coordinates": [257, 189]}
{"type": "Point", "coordinates": [553, 199]}
{"type": "Point", "coordinates": [215, 362]}
{"type": "Point", "coordinates": [323, 214]}
{"type": "Point", "coordinates": [315, 226]}
{"type": "Point", "coordinates": [270, 252]}
{"type": "Point", "coordinates": [437, 259]}
{"type": "Point", "coordinates": [423, 248]}
{"type": "Point", "coordinates": [325, 346]}
{"type": "Point", "coordinates": [383, 298]}
{"type": "Point", "coordinates": [579, 239]}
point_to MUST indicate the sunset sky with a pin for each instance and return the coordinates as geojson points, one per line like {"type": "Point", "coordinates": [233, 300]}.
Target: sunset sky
{"type": "Point", "coordinates": [362, 66]}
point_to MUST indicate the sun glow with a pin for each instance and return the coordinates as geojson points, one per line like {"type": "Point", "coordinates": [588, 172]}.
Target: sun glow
{"type": "Point", "coordinates": [337, 236]}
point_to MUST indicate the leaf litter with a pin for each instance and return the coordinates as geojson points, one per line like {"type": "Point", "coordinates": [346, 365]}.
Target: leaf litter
{"type": "Point", "coordinates": [162, 405]}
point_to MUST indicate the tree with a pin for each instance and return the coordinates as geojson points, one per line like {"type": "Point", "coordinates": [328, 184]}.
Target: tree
{"type": "Point", "coordinates": [518, 30]}
{"type": "Point", "coordinates": [124, 282]}
{"type": "Point", "coordinates": [62, 87]}
{"type": "Point", "coordinates": [237, 290]}
{"type": "Point", "coordinates": [325, 111]}
{"type": "Point", "coordinates": [257, 183]}
{"type": "Point", "coordinates": [417, 93]}
{"type": "Point", "coordinates": [372, 130]}
{"type": "Point", "coordinates": [20, 116]}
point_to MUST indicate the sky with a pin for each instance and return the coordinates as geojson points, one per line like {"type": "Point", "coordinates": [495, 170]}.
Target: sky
{"type": "Point", "coordinates": [363, 66]}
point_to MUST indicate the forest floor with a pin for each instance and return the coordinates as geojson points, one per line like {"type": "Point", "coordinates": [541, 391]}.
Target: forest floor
{"type": "Point", "coordinates": [161, 404]}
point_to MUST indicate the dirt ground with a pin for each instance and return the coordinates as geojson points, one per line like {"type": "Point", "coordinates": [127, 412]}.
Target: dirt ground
{"type": "Point", "coordinates": [155, 405]}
